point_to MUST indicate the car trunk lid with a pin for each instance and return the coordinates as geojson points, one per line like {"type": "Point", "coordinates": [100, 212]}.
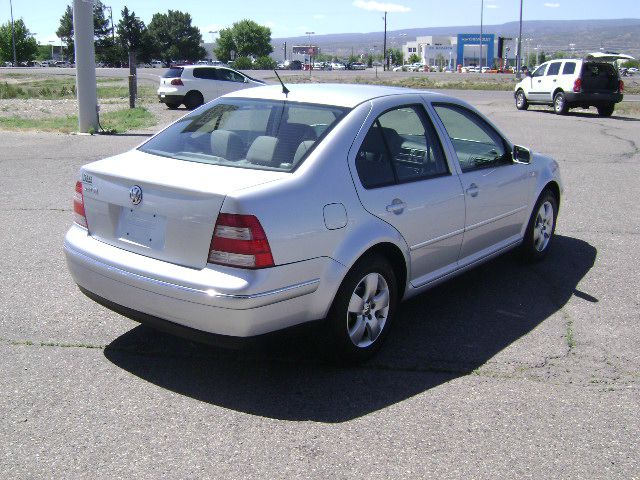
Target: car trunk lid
{"type": "Point", "coordinates": [160, 207]}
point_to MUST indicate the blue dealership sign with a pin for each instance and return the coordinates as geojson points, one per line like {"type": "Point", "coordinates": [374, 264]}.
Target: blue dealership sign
{"type": "Point", "coordinates": [474, 39]}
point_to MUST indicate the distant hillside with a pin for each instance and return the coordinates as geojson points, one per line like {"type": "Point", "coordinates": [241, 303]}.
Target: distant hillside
{"type": "Point", "coordinates": [551, 35]}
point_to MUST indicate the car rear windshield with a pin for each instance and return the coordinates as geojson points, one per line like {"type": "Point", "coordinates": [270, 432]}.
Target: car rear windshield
{"type": "Point", "coordinates": [247, 133]}
{"type": "Point", "coordinates": [173, 72]}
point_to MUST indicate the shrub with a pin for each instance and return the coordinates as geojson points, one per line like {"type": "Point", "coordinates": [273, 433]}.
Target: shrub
{"type": "Point", "coordinates": [265, 63]}
{"type": "Point", "coordinates": [243, 63]}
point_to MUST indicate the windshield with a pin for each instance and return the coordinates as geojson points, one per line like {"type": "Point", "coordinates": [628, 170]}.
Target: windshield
{"type": "Point", "coordinates": [247, 133]}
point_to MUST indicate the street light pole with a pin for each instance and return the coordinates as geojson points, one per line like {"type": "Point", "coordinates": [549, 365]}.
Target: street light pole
{"type": "Point", "coordinates": [519, 52]}
{"type": "Point", "coordinates": [481, 18]}
{"type": "Point", "coordinates": [384, 45]}
{"type": "Point", "coordinates": [13, 36]}
{"type": "Point", "coordinates": [309, 51]}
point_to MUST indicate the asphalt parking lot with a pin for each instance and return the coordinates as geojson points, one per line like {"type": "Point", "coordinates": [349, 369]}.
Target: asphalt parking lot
{"type": "Point", "coordinates": [510, 371]}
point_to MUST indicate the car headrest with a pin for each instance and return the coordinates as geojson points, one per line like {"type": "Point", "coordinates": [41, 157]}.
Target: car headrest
{"type": "Point", "coordinates": [262, 150]}
{"type": "Point", "coordinates": [302, 149]}
{"type": "Point", "coordinates": [226, 144]}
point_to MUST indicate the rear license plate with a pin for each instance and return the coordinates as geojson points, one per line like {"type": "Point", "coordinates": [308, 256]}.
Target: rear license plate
{"type": "Point", "coordinates": [141, 228]}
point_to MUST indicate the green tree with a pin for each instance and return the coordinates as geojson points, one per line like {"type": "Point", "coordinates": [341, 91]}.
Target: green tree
{"type": "Point", "coordinates": [174, 38]}
{"type": "Point", "coordinates": [414, 58]}
{"type": "Point", "coordinates": [397, 57]}
{"type": "Point", "coordinates": [264, 63]}
{"type": "Point", "coordinates": [244, 38]}
{"type": "Point", "coordinates": [26, 45]}
{"type": "Point", "coordinates": [242, 63]}
{"type": "Point", "coordinates": [134, 36]}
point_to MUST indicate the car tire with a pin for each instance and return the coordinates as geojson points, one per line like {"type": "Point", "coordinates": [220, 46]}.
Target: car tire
{"type": "Point", "coordinates": [606, 110]}
{"type": "Point", "coordinates": [560, 103]}
{"type": "Point", "coordinates": [541, 227]}
{"type": "Point", "coordinates": [357, 323]}
{"type": "Point", "coordinates": [193, 100]}
{"type": "Point", "coordinates": [521, 100]}
{"type": "Point", "coordinates": [172, 106]}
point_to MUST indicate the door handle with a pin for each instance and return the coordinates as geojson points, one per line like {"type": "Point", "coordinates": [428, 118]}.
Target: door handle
{"type": "Point", "coordinates": [539, 81]}
{"type": "Point", "coordinates": [397, 206]}
{"type": "Point", "coordinates": [554, 79]}
{"type": "Point", "coordinates": [472, 190]}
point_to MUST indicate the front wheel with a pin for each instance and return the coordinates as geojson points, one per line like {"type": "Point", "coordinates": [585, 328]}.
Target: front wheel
{"type": "Point", "coordinates": [606, 110]}
{"type": "Point", "coordinates": [560, 104]}
{"type": "Point", "coordinates": [362, 310]}
{"type": "Point", "coordinates": [541, 227]}
{"type": "Point", "coordinates": [521, 101]}
{"type": "Point", "coordinates": [172, 106]}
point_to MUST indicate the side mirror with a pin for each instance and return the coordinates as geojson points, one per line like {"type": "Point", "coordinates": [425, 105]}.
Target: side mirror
{"type": "Point", "coordinates": [528, 74]}
{"type": "Point", "coordinates": [521, 155]}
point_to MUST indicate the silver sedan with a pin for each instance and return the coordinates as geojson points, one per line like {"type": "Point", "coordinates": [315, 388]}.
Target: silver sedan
{"type": "Point", "coordinates": [270, 207]}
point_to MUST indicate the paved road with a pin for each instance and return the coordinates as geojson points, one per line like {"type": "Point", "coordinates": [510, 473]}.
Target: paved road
{"type": "Point", "coordinates": [509, 371]}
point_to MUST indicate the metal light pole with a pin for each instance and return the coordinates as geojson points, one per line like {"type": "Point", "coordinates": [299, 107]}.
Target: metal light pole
{"type": "Point", "coordinates": [13, 36]}
{"type": "Point", "coordinates": [519, 52]}
{"type": "Point", "coordinates": [113, 32]}
{"type": "Point", "coordinates": [309, 34]}
{"type": "Point", "coordinates": [481, 18]}
{"type": "Point", "coordinates": [384, 45]}
{"type": "Point", "coordinates": [52, 42]}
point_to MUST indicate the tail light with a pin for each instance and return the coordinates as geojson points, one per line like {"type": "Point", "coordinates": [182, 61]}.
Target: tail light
{"type": "Point", "coordinates": [79, 216]}
{"type": "Point", "coordinates": [240, 241]}
{"type": "Point", "coordinates": [577, 85]}
{"type": "Point", "coordinates": [621, 86]}
{"type": "Point", "coordinates": [176, 81]}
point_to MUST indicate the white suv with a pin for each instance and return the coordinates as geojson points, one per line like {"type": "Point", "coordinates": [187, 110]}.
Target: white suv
{"type": "Point", "coordinates": [572, 83]}
{"type": "Point", "coordinates": [194, 85]}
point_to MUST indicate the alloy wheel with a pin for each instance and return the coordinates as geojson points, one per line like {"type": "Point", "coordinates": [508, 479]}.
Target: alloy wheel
{"type": "Point", "coordinates": [368, 310]}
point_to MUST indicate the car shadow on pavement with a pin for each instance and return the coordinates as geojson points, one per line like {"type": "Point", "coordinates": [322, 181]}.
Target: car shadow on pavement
{"type": "Point", "coordinates": [441, 335]}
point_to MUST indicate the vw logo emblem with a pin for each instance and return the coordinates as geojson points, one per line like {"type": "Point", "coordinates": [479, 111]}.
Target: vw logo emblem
{"type": "Point", "coordinates": [135, 194]}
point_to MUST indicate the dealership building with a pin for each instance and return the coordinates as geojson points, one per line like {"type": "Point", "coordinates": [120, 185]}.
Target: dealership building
{"type": "Point", "coordinates": [462, 49]}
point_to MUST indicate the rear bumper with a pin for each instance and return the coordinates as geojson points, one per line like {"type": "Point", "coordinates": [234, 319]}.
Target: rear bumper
{"type": "Point", "coordinates": [220, 300]}
{"type": "Point", "coordinates": [593, 98]}
{"type": "Point", "coordinates": [164, 98]}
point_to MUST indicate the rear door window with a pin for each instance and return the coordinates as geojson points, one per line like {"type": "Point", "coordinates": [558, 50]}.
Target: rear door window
{"type": "Point", "coordinates": [401, 146]}
{"type": "Point", "coordinates": [569, 68]}
{"type": "Point", "coordinates": [554, 68]}
{"type": "Point", "coordinates": [205, 73]}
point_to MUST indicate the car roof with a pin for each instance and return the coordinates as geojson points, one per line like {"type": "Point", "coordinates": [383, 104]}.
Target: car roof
{"type": "Point", "coordinates": [342, 95]}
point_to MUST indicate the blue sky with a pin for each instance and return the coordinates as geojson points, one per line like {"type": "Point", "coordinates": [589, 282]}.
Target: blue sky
{"type": "Point", "coordinates": [295, 17]}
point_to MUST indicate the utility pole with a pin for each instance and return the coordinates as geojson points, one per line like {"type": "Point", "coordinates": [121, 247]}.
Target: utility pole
{"type": "Point", "coordinates": [519, 47]}
{"type": "Point", "coordinates": [481, 18]}
{"type": "Point", "coordinates": [285, 51]}
{"type": "Point", "coordinates": [13, 36]}
{"type": "Point", "coordinates": [85, 66]}
{"type": "Point", "coordinates": [384, 45]}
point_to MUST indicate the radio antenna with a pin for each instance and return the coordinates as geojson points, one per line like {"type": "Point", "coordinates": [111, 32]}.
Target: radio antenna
{"type": "Point", "coordinates": [285, 90]}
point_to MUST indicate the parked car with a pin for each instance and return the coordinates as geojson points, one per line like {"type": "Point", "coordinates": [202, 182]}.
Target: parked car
{"type": "Point", "coordinates": [337, 66]}
{"type": "Point", "coordinates": [193, 85]}
{"type": "Point", "coordinates": [357, 66]}
{"type": "Point", "coordinates": [295, 65]}
{"type": "Point", "coordinates": [156, 64]}
{"type": "Point", "coordinates": [572, 83]}
{"type": "Point", "coordinates": [266, 209]}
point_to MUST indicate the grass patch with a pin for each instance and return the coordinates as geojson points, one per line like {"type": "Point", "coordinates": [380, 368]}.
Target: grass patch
{"type": "Point", "coordinates": [113, 122]}
{"type": "Point", "coordinates": [63, 86]}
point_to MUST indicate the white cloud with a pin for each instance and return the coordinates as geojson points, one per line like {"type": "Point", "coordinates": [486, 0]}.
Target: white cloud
{"type": "Point", "coordinates": [551, 5]}
{"type": "Point", "coordinates": [381, 7]}
{"type": "Point", "coordinates": [320, 16]}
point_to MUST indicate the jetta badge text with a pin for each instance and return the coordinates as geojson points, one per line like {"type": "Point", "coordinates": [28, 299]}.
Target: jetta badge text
{"type": "Point", "coordinates": [135, 194]}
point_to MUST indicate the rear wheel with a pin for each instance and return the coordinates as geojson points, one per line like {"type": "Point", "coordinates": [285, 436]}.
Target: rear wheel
{"type": "Point", "coordinates": [193, 100]}
{"type": "Point", "coordinates": [560, 104]}
{"type": "Point", "coordinates": [606, 110]}
{"type": "Point", "coordinates": [362, 311]}
{"type": "Point", "coordinates": [541, 227]}
{"type": "Point", "coordinates": [172, 106]}
{"type": "Point", "coordinates": [521, 100]}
